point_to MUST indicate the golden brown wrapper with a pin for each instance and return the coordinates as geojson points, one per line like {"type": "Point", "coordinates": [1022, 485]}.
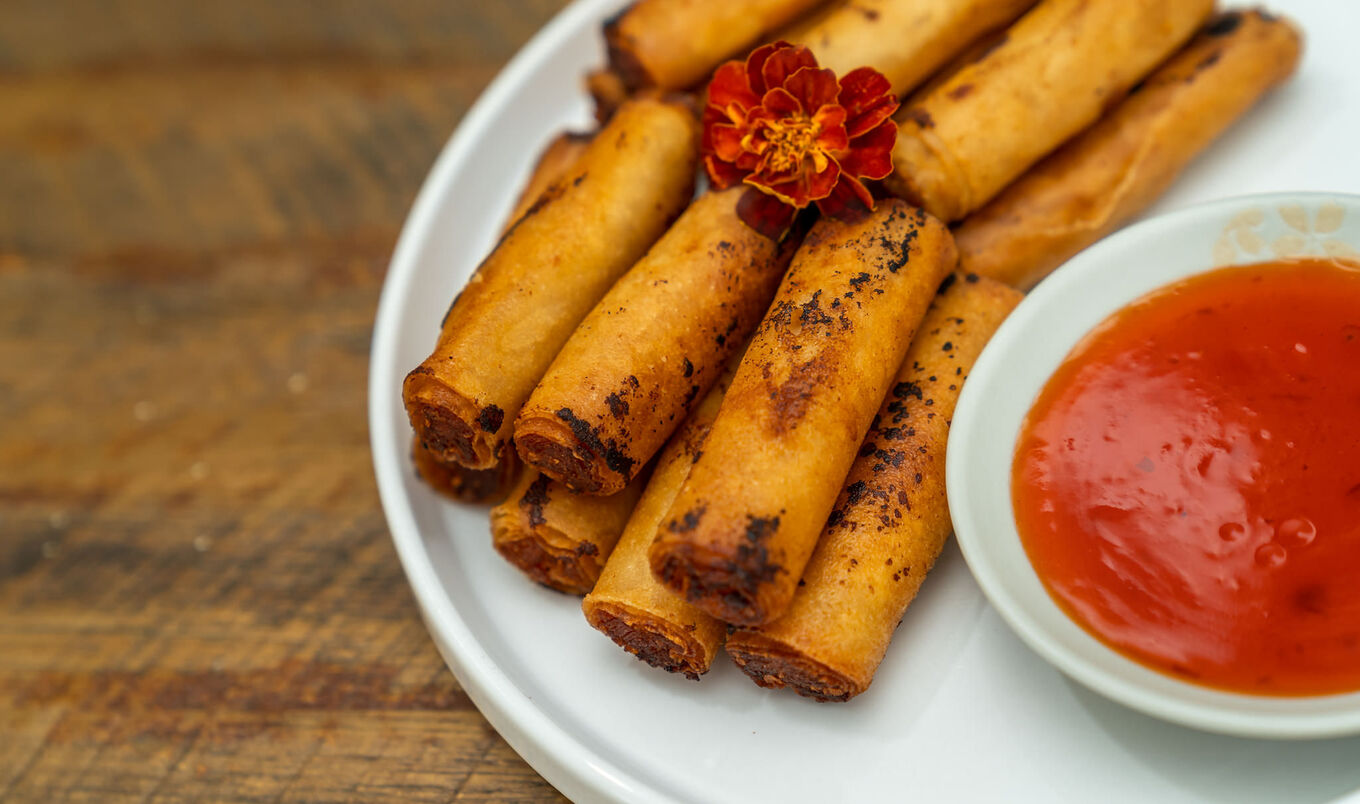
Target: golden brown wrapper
{"type": "Point", "coordinates": [906, 40]}
{"type": "Point", "coordinates": [556, 158]}
{"type": "Point", "coordinates": [628, 605]}
{"type": "Point", "coordinates": [1059, 67]}
{"type": "Point", "coordinates": [475, 486]}
{"type": "Point", "coordinates": [606, 91]}
{"type": "Point", "coordinates": [891, 519]}
{"type": "Point", "coordinates": [675, 44]}
{"type": "Point", "coordinates": [1110, 172]}
{"type": "Point", "coordinates": [746, 520]}
{"type": "Point", "coordinates": [546, 273]}
{"type": "Point", "coordinates": [557, 537]}
{"type": "Point", "coordinates": [651, 348]}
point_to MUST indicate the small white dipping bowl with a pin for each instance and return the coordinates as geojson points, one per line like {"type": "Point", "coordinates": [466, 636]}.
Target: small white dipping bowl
{"type": "Point", "coordinates": [1014, 368]}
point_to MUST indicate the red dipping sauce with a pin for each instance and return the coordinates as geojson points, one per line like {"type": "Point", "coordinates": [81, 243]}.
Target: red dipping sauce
{"type": "Point", "coordinates": [1187, 484]}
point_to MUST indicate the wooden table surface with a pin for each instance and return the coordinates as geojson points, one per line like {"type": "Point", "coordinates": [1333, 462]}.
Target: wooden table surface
{"type": "Point", "coordinates": [199, 600]}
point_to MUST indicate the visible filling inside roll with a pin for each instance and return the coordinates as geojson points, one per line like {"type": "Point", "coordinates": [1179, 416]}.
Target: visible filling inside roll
{"type": "Point", "coordinates": [447, 436]}
{"type": "Point", "coordinates": [651, 645]}
{"type": "Point", "coordinates": [558, 461]}
{"type": "Point", "coordinates": [572, 571]}
{"type": "Point", "coordinates": [701, 576]}
{"type": "Point", "coordinates": [777, 666]}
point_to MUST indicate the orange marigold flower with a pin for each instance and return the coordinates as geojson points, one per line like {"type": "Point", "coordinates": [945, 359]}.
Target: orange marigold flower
{"type": "Point", "coordinates": [796, 135]}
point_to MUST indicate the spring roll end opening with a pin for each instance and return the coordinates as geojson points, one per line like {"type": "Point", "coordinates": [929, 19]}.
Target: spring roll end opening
{"type": "Point", "coordinates": [443, 421]}
{"type": "Point", "coordinates": [571, 572]}
{"type": "Point", "coordinates": [559, 455]}
{"type": "Point", "coordinates": [711, 582]}
{"type": "Point", "coordinates": [774, 665]}
{"type": "Point", "coordinates": [648, 640]}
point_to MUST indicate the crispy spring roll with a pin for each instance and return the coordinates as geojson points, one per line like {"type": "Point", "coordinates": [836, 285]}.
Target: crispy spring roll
{"type": "Point", "coordinates": [891, 519]}
{"type": "Point", "coordinates": [1109, 173]}
{"type": "Point", "coordinates": [1059, 67]}
{"type": "Point", "coordinates": [544, 276]}
{"type": "Point", "coordinates": [675, 44]}
{"type": "Point", "coordinates": [628, 605]}
{"type": "Point", "coordinates": [478, 486]}
{"type": "Point", "coordinates": [739, 533]}
{"type": "Point", "coordinates": [556, 159]}
{"type": "Point", "coordinates": [606, 89]}
{"type": "Point", "coordinates": [557, 537]}
{"type": "Point", "coordinates": [906, 40]}
{"type": "Point", "coordinates": [651, 348]}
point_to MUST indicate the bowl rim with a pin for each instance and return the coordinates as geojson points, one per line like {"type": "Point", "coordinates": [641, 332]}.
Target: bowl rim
{"type": "Point", "coordinates": [1179, 701]}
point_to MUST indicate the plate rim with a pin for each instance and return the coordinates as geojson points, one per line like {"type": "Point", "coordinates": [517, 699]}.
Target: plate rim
{"type": "Point", "coordinates": [562, 760]}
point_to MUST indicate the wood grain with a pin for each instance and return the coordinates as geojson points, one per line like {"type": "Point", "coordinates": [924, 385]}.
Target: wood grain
{"type": "Point", "coordinates": [198, 597]}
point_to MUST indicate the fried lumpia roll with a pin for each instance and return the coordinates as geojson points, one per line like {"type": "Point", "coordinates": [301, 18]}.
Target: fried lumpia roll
{"type": "Point", "coordinates": [606, 89]}
{"type": "Point", "coordinates": [557, 537]}
{"type": "Point", "coordinates": [739, 533]}
{"type": "Point", "coordinates": [628, 605]}
{"type": "Point", "coordinates": [556, 159]}
{"type": "Point", "coordinates": [1059, 67]}
{"type": "Point", "coordinates": [546, 273]}
{"type": "Point", "coordinates": [675, 44]}
{"type": "Point", "coordinates": [477, 486]}
{"type": "Point", "coordinates": [906, 40]}
{"type": "Point", "coordinates": [651, 348]}
{"type": "Point", "coordinates": [891, 519]}
{"type": "Point", "coordinates": [1110, 172]}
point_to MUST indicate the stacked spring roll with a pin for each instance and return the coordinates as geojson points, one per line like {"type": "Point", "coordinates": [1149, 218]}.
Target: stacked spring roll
{"type": "Point", "coordinates": [651, 348]}
{"type": "Point", "coordinates": [905, 40]}
{"type": "Point", "coordinates": [1056, 70]}
{"type": "Point", "coordinates": [629, 605]}
{"type": "Point", "coordinates": [890, 521]}
{"type": "Point", "coordinates": [527, 297]}
{"type": "Point", "coordinates": [1110, 172]}
{"type": "Point", "coordinates": [747, 518]}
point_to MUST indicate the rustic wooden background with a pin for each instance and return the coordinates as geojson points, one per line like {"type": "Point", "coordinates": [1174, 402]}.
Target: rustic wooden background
{"type": "Point", "coordinates": [198, 597]}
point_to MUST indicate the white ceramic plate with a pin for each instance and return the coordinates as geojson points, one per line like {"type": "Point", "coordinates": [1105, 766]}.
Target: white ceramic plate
{"type": "Point", "coordinates": [1016, 364]}
{"type": "Point", "coordinates": [961, 709]}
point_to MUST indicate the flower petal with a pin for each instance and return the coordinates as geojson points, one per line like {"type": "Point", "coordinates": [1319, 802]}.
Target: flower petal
{"type": "Point", "coordinates": [867, 98]}
{"type": "Point", "coordinates": [784, 62]}
{"type": "Point", "coordinates": [755, 65]}
{"type": "Point", "coordinates": [722, 174]}
{"type": "Point", "coordinates": [766, 214]}
{"type": "Point", "coordinates": [849, 200]}
{"type": "Point", "coordinates": [870, 156]}
{"type": "Point", "coordinates": [831, 135]}
{"type": "Point", "coordinates": [726, 141]}
{"type": "Point", "coordinates": [730, 86]}
{"type": "Point", "coordinates": [779, 102]}
{"type": "Point", "coordinates": [815, 88]}
{"type": "Point", "coordinates": [820, 184]}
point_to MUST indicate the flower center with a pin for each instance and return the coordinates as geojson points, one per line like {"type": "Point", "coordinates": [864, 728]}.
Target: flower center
{"type": "Point", "coordinates": [786, 142]}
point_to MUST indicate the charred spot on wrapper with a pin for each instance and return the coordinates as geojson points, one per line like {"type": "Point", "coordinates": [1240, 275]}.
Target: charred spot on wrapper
{"type": "Point", "coordinates": [535, 497]}
{"type": "Point", "coordinates": [920, 117]}
{"type": "Point", "coordinates": [617, 405]}
{"type": "Point", "coordinates": [490, 418]}
{"type": "Point", "coordinates": [1226, 23]}
{"type": "Point", "coordinates": [687, 521]}
{"type": "Point", "coordinates": [614, 456]}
